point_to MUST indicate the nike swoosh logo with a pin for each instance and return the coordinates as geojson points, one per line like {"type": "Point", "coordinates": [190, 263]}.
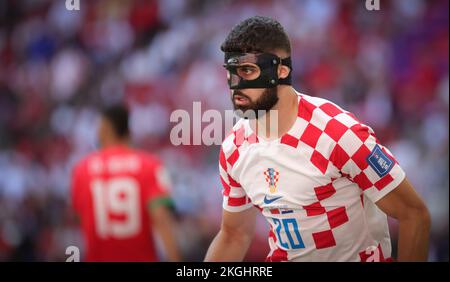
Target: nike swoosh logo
{"type": "Point", "coordinates": [269, 201]}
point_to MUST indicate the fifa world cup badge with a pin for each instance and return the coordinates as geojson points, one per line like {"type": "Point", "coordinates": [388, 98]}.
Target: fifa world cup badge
{"type": "Point", "coordinates": [271, 176]}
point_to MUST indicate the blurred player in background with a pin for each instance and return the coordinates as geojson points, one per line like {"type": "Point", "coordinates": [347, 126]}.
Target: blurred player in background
{"type": "Point", "coordinates": [120, 196]}
{"type": "Point", "coordinates": [321, 178]}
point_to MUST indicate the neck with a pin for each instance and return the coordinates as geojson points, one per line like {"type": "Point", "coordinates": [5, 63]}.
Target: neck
{"type": "Point", "coordinates": [115, 142]}
{"type": "Point", "coordinates": [281, 117]}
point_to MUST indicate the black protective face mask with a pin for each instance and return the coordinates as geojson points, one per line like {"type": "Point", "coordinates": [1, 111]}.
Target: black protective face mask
{"type": "Point", "coordinates": [253, 70]}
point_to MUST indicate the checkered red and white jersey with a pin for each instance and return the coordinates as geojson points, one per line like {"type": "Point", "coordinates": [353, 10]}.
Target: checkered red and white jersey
{"type": "Point", "coordinates": [316, 185]}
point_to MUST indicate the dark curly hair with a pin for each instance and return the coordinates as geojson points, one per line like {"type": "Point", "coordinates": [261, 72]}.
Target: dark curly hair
{"type": "Point", "coordinates": [117, 115]}
{"type": "Point", "coordinates": [257, 34]}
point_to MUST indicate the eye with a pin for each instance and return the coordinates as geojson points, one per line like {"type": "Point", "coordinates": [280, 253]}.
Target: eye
{"type": "Point", "coordinates": [247, 70]}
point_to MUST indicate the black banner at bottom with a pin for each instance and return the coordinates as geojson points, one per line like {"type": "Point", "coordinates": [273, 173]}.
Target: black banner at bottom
{"type": "Point", "coordinates": [217, 271]}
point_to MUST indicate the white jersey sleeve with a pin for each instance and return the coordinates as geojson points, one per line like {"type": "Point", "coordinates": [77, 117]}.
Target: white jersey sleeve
{"type": "Point", "coordinates": [234, 197]}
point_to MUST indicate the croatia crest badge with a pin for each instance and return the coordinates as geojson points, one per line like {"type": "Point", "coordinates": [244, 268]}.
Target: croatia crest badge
{"type": "Point", "coordinates": [271, 176]}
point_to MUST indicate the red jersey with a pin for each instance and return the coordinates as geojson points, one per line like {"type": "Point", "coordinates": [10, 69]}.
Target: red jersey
{"type": "Point", "coordinates": [111, 192]}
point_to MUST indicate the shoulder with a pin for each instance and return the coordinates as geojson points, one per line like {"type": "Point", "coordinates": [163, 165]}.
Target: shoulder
{"type": "Point", "coordinates": [310, 105]}
{"type": "Point", "coordinates": [232, 139]}
{"type": "Point", "coordinates": [327, 124]}
{"type": "Point", "coordinates": [146, 158]}
{"type": "Point", "coordinates": [83, 164]}
{"type": "Point", "coordinates": [326, 115]}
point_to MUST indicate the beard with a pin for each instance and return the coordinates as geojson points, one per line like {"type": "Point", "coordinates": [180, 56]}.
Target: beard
{"type": "Point", "coordinates": [258, 108]}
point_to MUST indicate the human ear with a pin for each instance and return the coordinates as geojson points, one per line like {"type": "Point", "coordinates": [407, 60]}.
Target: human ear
{"type": "Point", "coordinates": [283, 71]}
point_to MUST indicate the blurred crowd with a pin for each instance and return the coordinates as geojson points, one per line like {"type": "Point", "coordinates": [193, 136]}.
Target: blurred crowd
{"type": "Point", "coordinates": [58, 67]}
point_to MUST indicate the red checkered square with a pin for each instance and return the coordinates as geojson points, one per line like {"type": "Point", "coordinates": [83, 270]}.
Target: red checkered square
{"type": "Point", "coordinates": [314, 209]}
{"type": "Point", "coordinates": [226, 187]}
{"type": "Point", "coordinates": [311, 135]}
{"type": "Point", "coordinates": [324, 239]}
{"type": "Point", "coordinates": [339, 157]}
{"type": "Point", "coordinates": [272, 235]}
{"type": "Point", "coordinates": [289, 140]}
{"type": "Point", "coordinates": [233, 157]}
{"type": "Point", "coordinates": [237, 202]}
{"type": "Point", "coordinates": [305, 109]}
{"type": "Point", "coordinates": [278, 255]}
{"type": "Point", "coordinates": [335, 129]}
{"type": "Point", "coordinates": [274, 211]}
{"type": "Point", "coordinates": [362, 181]}
{"type": "Point", "coordinates": [222, 161]}
{"type": "Point", "coordinates": [330, 109]}
{"type": "Point", "coordinates": [383, 182]}
{"type": "Point", "coordinates": [360, 157]}
{"type": "Point", "coordinates": [325, 191]}
{"type": "Point", "coordinates": [361, 131]}
{"type": "Point", "coordinates": [319, 161]}
{"type": "Point", "coordinates": [337, 217]}
{"type": "Point", "coordinates": [233, 182]}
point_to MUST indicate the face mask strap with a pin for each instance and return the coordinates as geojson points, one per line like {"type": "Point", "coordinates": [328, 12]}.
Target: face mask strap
{"type": "Point", "coordinates": [288, 79]}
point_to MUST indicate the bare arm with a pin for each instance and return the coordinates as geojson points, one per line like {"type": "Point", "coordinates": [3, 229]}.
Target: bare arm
{"type": "Point", "coordinates": [404, 204]}
{"type": "Point", "coordinates": [164, 223]}
{"type": "Point", "coordinates": [234, 237]}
